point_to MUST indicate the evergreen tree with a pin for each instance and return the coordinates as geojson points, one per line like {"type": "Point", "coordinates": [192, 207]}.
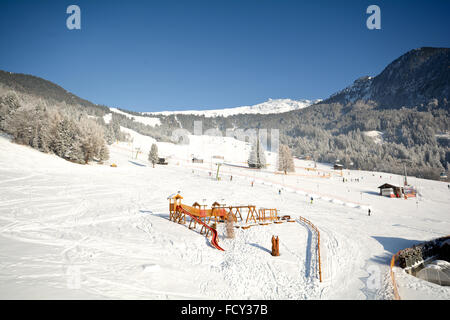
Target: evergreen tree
{"type": "Point", "coordinates": [104, 153]}
{"type": "Point", "coordinates": [257, 158]}
{"type": "Point", "coordinates": [153, 154]}
{"type": "Point", "coordinates": [67, 141]}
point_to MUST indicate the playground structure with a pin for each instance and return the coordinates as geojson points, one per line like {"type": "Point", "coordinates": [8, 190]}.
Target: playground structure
{"type": "Point", "coordinates": [208, 219]}
{"type": "Point", "coordinates": [199, 214]}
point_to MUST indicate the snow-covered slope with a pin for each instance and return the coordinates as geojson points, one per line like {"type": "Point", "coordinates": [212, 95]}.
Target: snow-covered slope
{"type": "Point", "coordinates": [93, 231]}
{"type": "Point", "coordinates": [268, 107]}
{"type": "Point", "coordinates": [203, 147]}
{"type": "Point", "coordinates": [377, 136]}
{"type": "Point", "coordinates": [144, 120]}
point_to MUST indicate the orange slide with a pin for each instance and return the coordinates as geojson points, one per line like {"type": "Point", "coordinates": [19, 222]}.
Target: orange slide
{"type": "Point", "coordinates": [213, 231]}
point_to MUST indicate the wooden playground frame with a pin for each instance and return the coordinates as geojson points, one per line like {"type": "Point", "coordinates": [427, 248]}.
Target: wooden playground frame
{"type": "Point", "coordinates": [219, 213]}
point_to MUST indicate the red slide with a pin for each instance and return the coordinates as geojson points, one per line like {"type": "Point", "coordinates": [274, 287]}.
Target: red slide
{"type": "Point", "coordinates": [213, 231]}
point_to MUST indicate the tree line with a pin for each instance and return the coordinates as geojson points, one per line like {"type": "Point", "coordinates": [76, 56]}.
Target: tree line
{"type": "Point", "coordinates": [52, 128]}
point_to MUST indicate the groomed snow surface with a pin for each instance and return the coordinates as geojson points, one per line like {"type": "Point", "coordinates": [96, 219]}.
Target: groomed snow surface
{"type": "Point", "coordinates": [71, 231]}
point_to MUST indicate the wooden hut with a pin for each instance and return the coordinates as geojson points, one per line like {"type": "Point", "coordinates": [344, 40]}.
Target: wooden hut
{"type": "Point", "coordinates": [196, 160]}
{"type": "Point", "coordinates": [162, 161]}
{"type": "Point", "coordinates": [390, 190]}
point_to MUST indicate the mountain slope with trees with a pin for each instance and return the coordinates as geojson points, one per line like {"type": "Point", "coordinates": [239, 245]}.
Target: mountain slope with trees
{"type": "Point", "coordinates": [407, 104]}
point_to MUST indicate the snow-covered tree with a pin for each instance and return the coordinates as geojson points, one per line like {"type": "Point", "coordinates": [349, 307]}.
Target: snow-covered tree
{"type": "Point", "coordinates": [153, 154]}
{"type": "Point", "coordinates": [285, 159]}
{"type": "Point", "coordinates": [67, 141]}
{"type": "Point", "coordinates": [104, 153]}
{"type": "Point", "coordinates": [257, 158]}
{"type": "Point", "coordinates": [9, 103]}
{"type": "Point", "coordinates": [92, 138]}
{"type": "Point", "coordinates": [29, 125]}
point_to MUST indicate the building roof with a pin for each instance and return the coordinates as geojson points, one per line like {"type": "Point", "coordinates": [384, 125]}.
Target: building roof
{"type": "Point", "coordinates": [175, 196]}
{"type": "Point", "coordinates": [388, 185]}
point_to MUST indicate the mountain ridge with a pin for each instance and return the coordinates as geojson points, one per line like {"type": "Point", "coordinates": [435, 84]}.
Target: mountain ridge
{"type": "Point", "coordinates": [412, 80]}
{"type": "Point", "coordinates": [270, 106]}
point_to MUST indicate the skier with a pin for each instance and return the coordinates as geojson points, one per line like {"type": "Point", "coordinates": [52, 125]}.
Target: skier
{"type": "Point", "coordinates": [312, 200]}
{"type": "Point", "coordinates": [279, 191]}
{"type": "Point", "coordinates": [369, 212]}
{"type": "Point", "coordinates": [252, 183]}
{"type": "Point", "coordinates": [231, 178]}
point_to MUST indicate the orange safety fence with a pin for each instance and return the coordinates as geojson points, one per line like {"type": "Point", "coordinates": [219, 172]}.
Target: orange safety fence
{"type": "Point", "coordinates": [394, 284]}
{"type": "Point", "coordinates": [392, 265]}
{"type": "Point", "coordinates": [318, 243]}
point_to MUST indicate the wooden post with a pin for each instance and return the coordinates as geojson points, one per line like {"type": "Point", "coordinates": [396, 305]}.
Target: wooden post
{"type": "Point", "coordinates": [275, 246]}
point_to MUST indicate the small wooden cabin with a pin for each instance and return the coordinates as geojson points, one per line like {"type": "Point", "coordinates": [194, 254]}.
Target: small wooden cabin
{"type": "Point", "coordinates": [338, 166]}
{"type": "Point", "coordinates": [196, 160]}
{"type": "Point", "coordinates": [393, 191]}
{"type": "Point", "coordinates": [162, 161]}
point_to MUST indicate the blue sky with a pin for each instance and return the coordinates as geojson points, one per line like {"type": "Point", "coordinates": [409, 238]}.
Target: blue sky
{"type": "Point", "coordinates": [174, 55]}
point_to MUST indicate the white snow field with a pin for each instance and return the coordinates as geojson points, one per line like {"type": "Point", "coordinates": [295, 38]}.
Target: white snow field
{"type": "Point", "coordinates": [268, 107]}
{"type": "Point", "coordinates": [70, 231]}
{"type": "Point", "coordinates": [144, 120]}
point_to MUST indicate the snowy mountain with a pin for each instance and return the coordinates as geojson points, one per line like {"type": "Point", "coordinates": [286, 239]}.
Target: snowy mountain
{"type": "Point", "coordinates": [271, 106]}
{"type": "Point", "coordinates": [416, 78]}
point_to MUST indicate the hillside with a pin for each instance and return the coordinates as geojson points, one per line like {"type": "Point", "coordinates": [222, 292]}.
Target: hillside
{"type": "Point", "coordinates": [406, 105]}
{"type": "Point", "coordinates": [44, 89]}
{"type": "Point", "coordinates": [413, 80]}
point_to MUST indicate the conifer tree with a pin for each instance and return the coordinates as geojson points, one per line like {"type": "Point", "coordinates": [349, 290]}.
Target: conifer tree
{"type": "Point", "coordinates": [257, 158]}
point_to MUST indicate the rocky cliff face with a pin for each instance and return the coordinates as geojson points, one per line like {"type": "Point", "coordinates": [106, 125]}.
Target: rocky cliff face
{"type": "Point", "coordinates": [420, 78]}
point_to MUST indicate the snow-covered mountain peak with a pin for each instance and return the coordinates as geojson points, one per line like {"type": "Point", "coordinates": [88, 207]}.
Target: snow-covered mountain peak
{"type": "Point", "coordinates": [269, 107]}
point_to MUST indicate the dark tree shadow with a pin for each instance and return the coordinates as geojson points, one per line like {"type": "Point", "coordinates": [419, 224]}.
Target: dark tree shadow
{"type": "Point", "coordinates": [392, 245]}
{"type": "Point", "coordinates": [308, 256]}
{"type": "Point", "coordinates": [161, 215]}
{"type": "Point", "coordinates": [260, 247]}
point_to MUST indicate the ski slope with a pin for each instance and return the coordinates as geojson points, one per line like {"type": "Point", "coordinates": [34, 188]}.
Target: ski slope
{"type": "Point", "coordinates": [71, 231]}
{"type": "Point", "coordinates": [150, 121]}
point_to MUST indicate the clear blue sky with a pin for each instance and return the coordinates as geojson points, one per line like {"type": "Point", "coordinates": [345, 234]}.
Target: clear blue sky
{"type": "Point", "coordinates": [167, 55]}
